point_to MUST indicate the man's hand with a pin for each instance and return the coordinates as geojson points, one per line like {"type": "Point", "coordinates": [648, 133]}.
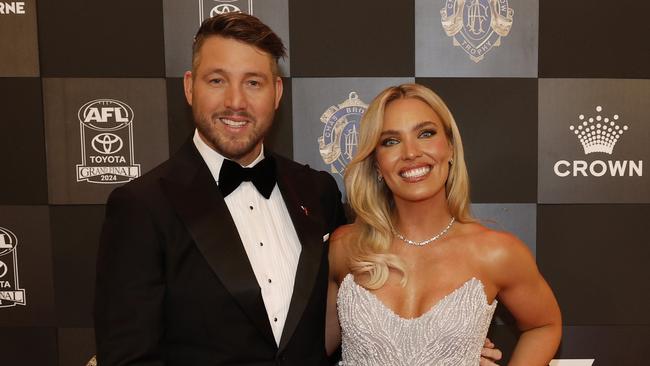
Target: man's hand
{"type": "Point", "coordinates": [489, 354]}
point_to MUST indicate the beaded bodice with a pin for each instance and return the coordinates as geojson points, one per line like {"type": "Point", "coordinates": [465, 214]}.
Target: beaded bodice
{"type": "Point", "coordinates": [451, 333]}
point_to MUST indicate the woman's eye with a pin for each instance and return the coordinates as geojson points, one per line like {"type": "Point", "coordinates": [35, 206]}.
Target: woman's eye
{"type": "Point", "coordinates": [427, 133]}
{"type": "Point", "coordinates": [389, 142]}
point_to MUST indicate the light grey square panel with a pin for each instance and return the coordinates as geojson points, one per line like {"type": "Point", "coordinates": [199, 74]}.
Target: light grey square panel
{"type": "Point", "coordinates": [183, 18]}
{"type": "Point", "coordinates": [476, 38]}
{"type": "Point", "coordinates": [326, 114]}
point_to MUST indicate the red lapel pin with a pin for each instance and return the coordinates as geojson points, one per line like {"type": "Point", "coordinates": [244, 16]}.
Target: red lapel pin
{"type": "Point", "coordinates": [305, 210]}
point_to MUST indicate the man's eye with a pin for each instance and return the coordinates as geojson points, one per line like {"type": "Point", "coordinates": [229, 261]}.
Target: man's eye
{"type": "Point", "coordinates": [216, 81]}
{"type": "Point", "coordinates": [254, 83]}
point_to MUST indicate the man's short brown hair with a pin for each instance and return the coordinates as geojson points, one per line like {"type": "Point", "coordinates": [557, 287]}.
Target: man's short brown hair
{"type": "Point", "coordinates": [244, 28]}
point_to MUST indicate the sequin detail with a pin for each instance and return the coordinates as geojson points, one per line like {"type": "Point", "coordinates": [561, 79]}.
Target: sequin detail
{"type": "Point", "coordinates": [451, 333]}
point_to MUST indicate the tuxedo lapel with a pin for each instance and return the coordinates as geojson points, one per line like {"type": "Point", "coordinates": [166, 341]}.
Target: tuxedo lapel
{"type": "Point", "coordinates": [299, 204]}
{"type": "Point", "coordinates": [198, 202]}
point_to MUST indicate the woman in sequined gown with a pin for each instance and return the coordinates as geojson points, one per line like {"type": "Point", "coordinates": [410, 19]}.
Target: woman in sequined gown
{"type": "Point", "coordinates": [415, 279]}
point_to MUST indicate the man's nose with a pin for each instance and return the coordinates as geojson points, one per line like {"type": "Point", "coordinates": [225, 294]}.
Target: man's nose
{"type": "Point", "coordinates": [235, 98]}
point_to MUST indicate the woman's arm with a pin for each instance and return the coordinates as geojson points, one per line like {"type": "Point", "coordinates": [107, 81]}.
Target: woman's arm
{"type": "Point", "coordinates": [332, 328]}
{"type": "Point", "coordinates": [525, 293]}
{"type": "Point", "coordinates": [338, 264]}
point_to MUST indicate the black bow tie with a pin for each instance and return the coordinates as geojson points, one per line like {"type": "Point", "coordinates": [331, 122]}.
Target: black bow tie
{"type": "Point", "coordinates": [262, 175]}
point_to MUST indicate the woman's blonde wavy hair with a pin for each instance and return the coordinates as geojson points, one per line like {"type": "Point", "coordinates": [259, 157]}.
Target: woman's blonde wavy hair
{"type": "Point", "coordinates": [371, 199]}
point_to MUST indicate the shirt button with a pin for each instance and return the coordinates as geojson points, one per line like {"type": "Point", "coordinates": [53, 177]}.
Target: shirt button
{"type": "Point", "coordinates": [275, 319]}
{"type": "Point", "coordinates": [261, 244]}
{"type": "Point", "coordinates": [269, 280]}
{"type": "Point", "coordinates": [251, 207]}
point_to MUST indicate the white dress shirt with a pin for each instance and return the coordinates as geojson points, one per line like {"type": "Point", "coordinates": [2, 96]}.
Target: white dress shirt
{"type": "Point", "coordinates": [268, 235]}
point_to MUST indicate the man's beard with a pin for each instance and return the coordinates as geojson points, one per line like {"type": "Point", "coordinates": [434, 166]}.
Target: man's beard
{"type": "Point", "coordinates": [231, 148]}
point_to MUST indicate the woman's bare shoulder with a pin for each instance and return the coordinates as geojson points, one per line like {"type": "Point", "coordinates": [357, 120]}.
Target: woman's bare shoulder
{"type": "Point", "coordinates": [496, 245]}
{"type": "Point", "coordinates": [343, 232]}
{"type": "Point", "coordinates": [502, 255]}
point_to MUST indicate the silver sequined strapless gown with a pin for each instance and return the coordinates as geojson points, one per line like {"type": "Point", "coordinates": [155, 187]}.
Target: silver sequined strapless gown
{"type": "Point", "coordinates": [451, 333]}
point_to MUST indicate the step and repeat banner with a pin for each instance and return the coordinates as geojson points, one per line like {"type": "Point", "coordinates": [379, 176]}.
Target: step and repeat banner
{"type": "Point", "coordinates": [551, 98]}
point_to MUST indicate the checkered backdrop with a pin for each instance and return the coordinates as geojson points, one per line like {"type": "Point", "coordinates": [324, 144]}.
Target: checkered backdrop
{"type": "Point", "coordinates": [551, 98]}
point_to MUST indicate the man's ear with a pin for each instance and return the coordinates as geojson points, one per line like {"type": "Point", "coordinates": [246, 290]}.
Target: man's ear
{"type": "Point", "coordinates": [187, 86]}
{"type": "Point", "coordinates": [279, 88]}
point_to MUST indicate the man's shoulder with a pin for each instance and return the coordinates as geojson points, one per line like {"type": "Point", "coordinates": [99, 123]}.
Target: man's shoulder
{"type": "Point", "coordinates": [304, 174]}
{"type": "Point", "coordinates": [287, 165]}
{"type": "Point", "coordinates": [177, 167]}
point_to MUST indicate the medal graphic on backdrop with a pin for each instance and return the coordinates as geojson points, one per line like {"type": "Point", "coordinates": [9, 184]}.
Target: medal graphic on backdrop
{"type": "Point", "coordinates": [598, 134]}
{"type": "Point", "coordinates": [210, 8]}
{"type": "Point", "coordinates": [106, 129]}
{"type": "Point", "coordinates": [338, 143]}
{"type": "Point", "coordinates": [476, 25]}
{"type": "Point", "coordinates": [10, 292]}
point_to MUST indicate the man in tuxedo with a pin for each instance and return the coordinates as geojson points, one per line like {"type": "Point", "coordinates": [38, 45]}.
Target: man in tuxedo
{"type": "Point", "coordinates": [219, 255]}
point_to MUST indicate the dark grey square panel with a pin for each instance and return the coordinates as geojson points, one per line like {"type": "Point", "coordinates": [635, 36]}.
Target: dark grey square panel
{"type": "Point", "coordinates": [593, 141]}
{"type": "Point", "coordinates": [29, 346]}
{"type": "Point", "coordinates": [604, 345]}
{"type": "Point", "coordinates": [352, 38]}
{"type": "Point", "coordinates": [594, 39]}
{"type": "Point", "coordinates": [26, 286]}
{"type": "Point", "coordinates": [102, 133]}
{"type": "Point", "coordinates": [18, 39]}
{"type": "Point", "coordinates": [595, 257]}
{"type": "Point", "coordinates": [75, 239]}
{"type": "Point", "coordinates": [80, 38]}
{"type": "Point", "coordinates": [183, 18]}
{"type": "Point", "coordinates": [497, 119]}
{"type": "Point", "coordinates": [22, 143]}
{"type": "Point", "coordinates": [478, 38]}
{"type": "Point", "coordinates": [585, 345]}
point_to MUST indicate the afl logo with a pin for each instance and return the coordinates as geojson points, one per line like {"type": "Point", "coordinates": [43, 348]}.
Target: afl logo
{"type": "Point", "coordinates": [340, 138]}
{"type": "Point", "coordinates": [105, 114]}
{"type": "Point", "coordinates": [107, 152]}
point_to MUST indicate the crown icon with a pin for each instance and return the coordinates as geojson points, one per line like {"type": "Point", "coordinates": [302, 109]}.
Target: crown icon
{"type": "Point", "coordinates": [598, 134]}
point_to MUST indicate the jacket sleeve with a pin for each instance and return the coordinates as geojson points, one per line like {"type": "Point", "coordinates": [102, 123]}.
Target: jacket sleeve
{"type": "Point", "coordinates": [130, 285]}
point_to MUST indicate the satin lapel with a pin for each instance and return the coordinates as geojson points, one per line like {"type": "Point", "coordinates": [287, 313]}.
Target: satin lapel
{"type": "Point", "coordinates": [202, 209]}
{"type": "Point", "coordinates": [309, 233]}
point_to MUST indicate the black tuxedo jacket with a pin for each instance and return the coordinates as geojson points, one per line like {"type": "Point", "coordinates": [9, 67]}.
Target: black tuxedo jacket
{"type": "Point", "coordinates": [174, 283]}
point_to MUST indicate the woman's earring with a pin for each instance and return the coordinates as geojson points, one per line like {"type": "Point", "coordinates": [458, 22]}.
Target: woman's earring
{"type": "Point", "coordinates": [380, 178]}
{"type": "Point", "coordinates": [451, 161]}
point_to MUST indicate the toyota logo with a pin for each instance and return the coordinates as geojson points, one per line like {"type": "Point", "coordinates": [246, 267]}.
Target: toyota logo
{"type": "Point", "coordinates": [107, 143]}
{"type": "Point", "coordinates": [223, 9]}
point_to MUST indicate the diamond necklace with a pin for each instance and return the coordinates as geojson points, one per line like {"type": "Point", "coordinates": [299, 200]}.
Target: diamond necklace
{"type": "Point", "coordinates": [427, 241]}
